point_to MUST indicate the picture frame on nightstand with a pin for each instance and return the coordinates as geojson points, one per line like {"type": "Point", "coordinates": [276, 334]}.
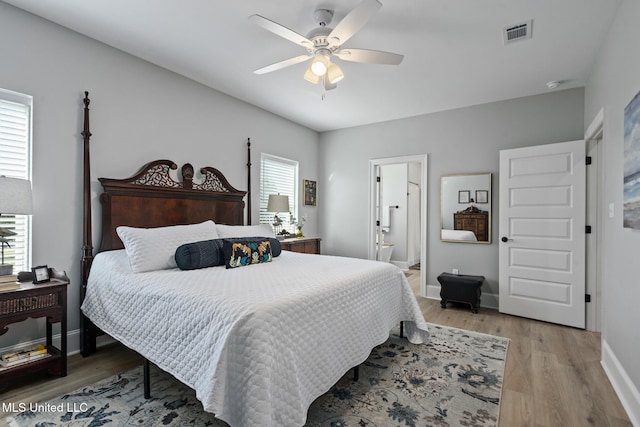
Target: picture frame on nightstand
{"type": "Point", "coordinates": [40, 274]}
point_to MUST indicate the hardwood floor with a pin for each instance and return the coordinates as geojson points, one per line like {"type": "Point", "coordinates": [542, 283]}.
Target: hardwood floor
{"type": "Point", "coordinates": [553, 376]}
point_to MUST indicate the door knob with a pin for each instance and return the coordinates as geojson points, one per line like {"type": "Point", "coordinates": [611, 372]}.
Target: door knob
{"type": "Point", "coordinates": [505, 239]}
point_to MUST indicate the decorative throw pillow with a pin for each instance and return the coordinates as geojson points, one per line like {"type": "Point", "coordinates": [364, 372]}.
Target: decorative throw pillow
{"type": "Point", "coordinates": [151, 249]}
{"type": "Point", "coordinates": [207, 253]}
{"type": "Point", "coordinates": [210, 253]}
{"type": "Point", "coordinates": [242, 252]}
{"type": "Point", "coordinates": [262, 230]}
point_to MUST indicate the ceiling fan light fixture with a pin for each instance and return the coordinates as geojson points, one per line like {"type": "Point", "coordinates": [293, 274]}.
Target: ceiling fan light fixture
{"type": "Point", "coordinates": [310, 76]}
{"type": "Point", "coordinates": [320, 64]}
{"type": "Point", "coordinates": [324, 42]}
{"type": "Point", "coordinates": [334, 73]}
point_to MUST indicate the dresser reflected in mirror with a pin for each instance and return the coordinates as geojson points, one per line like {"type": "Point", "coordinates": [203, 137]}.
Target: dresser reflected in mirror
{"type": "Point", "coordinates": [465, 208]}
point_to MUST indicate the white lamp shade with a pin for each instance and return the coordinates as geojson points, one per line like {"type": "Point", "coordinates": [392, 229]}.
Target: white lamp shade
{"type": "Point", "coordinates": [15, 196]}
{"type": "Point", "coordinates": [319, 65]}
{"type": "Point", "coordinates": [310, 76]}
{"type": "Point", "coordinates": [278, 203]}
{"type": "Point", "coordinates": [334, 73]}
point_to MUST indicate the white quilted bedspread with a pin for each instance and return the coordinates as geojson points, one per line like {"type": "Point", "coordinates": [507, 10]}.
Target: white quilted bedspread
{"type": "Point", "coordinates": [257, 343]}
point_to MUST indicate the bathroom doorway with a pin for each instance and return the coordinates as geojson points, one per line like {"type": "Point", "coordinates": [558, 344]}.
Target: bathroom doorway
{"type": "Point", "coordinates": [398, 213]}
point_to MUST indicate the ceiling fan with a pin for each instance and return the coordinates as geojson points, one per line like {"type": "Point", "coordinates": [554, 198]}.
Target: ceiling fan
{"type": "Point", "coordinates": [323, 42]}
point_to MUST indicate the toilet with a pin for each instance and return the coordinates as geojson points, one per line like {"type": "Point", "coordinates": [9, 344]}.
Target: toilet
{"type": "Point", "coordinates": [385, 252]}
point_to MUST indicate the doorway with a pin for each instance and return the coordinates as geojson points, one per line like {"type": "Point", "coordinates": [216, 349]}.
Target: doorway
{"type": "Point", "coordinates": [411, 209]}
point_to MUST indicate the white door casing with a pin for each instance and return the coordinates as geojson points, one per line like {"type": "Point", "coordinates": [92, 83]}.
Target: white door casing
{"type": "Point", "coordinates": [378, 204]}
{"type": "Point", "coordinates": [542, 232]}
{"type": "Point", "coordinates": [596, 212]}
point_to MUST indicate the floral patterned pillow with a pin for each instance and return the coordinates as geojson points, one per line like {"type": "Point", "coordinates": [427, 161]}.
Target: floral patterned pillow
{"type": "Point", "coordinates": [239, 253]}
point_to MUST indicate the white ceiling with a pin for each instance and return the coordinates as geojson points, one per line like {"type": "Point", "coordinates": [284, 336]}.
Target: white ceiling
{"type": "Point", "coordinates": [454, 51]}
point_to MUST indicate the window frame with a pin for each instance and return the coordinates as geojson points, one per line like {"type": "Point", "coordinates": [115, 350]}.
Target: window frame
{"type": "Point", "coordinates": [275, 188]}
{"type": "Point", "coordinates": [18, 165]}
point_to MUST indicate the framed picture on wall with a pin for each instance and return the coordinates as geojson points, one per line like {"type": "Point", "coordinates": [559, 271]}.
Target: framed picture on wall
{"type": "Point", "coordinates": [482, 196]}
{"type": "Point", "coordinates": [631, 185]}
{"type": "Point", "coordinates": [464, 196]}
{"type": "Point", "coordinates": [309, 188]}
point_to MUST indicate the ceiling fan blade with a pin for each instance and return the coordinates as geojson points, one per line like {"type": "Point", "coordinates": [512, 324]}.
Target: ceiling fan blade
{"type": "Point", "coordinates": [281, 31]}
{"type": "Point", "coordinates": [353, 22]}
{"type": "Point", "coordinates": [369, 56]}
{"type": "Point", "coordinates": [283, 64]}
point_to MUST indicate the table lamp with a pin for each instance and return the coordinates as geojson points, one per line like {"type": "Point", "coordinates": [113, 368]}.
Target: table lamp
{"type": "Point", "coordinates": [15, 199]}
{"type": "Point", "coordinates": [277, 204]}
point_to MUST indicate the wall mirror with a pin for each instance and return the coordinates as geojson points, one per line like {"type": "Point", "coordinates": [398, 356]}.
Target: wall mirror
{"type": "Point", "coordinates": [465, 208]}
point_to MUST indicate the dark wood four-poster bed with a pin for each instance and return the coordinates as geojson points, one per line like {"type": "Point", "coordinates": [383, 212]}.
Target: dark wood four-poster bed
{"type": "Point", "coordinates": [258, 343]}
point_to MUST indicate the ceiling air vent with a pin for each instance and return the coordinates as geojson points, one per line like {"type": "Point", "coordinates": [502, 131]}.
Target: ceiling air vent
{"type": "Point", "coordinates": [517, 32]}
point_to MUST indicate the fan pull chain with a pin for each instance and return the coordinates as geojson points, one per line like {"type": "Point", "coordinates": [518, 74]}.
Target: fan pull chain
{"type": "Point", "coordinates": [324, 87]}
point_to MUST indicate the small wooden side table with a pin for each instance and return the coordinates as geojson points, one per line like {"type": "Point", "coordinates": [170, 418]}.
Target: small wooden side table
{"type": "Point", "coordinates": [48, 300]}
{"type": "Point", "coordinates": [307, 245]}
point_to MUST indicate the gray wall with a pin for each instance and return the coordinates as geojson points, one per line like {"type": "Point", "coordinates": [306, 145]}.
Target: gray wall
{"type": "Point", "coordinates": [614, 81]}
{"type": "Point", "coordinates": [135, 110]}
{"type": "Point", "coordinates": [459, 141]}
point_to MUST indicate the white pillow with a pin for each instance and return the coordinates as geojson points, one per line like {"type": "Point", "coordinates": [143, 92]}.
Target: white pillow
{"type": "Point", "coordinates": [228, 231]}
{"type": "Point", "coordinates": [155, 248]}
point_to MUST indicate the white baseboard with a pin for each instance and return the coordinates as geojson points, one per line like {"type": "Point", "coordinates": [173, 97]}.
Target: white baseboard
{"type": "Point", "coordinates": [625, 389]}
{"type": "Point", "coordinates": [487, 300]}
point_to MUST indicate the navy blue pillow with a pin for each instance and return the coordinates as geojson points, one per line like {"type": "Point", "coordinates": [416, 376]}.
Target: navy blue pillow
{"type": "Point", "coordinates": [210, 253]}
{"type": "Point", "coordinates": [203, 254]}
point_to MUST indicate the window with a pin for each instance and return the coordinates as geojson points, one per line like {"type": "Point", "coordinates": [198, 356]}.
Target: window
{"type": "Point", "coordinates": [278, 176]}
{"type": "Point", "coordinates": [15, 162]}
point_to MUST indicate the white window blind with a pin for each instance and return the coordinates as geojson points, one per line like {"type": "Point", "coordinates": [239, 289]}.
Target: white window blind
{"type": "Point", "coordinates": [278, 176]}
{"type": "Point", "coordinates": [15, 162]}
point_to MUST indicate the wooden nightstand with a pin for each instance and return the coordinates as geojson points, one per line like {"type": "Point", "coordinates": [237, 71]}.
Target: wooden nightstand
{"type": "Point", "coordinates": [307, 245]}
{"type": "Point", "coordinates": [43, 300]}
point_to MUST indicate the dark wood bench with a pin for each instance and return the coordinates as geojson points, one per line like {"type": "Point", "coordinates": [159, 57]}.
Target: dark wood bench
{"type": "Point", "coordinates": [460, 288]}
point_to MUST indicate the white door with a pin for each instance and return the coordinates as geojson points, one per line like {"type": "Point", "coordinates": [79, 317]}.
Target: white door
{"type": "Point", "coordinates": [542, 232]}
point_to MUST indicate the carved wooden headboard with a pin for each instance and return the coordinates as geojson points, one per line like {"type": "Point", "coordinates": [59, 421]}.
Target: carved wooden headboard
{"type": "Point", "coordinates": [152, 198]}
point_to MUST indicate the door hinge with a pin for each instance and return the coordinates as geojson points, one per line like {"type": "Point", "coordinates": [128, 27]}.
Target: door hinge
{"type": "Point", "coordinates": [587, 229]}
{"type": "Point", "coordinates": [377, 179]}
{"type": "Point", "coordinates": [588, 160]}
{"type": "Point", "coordinates": [377, 223]}
{"type": "Point", "coordinates": [587, 298]}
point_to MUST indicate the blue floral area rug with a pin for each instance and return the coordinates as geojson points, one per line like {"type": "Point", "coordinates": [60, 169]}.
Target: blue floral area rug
{"type": "Point", "coordinates": [454, 380]}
